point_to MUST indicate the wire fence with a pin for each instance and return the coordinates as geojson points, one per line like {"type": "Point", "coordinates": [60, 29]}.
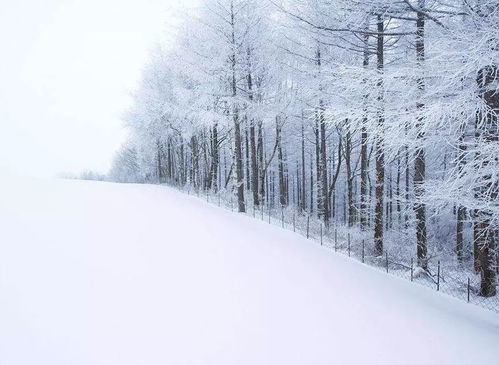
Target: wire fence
{"type": "Point", "coordinates": [442, 276]}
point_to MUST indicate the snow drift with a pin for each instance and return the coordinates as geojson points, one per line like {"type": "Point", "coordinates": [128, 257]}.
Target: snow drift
{"type": "Point", "coordinates": [99, 273]}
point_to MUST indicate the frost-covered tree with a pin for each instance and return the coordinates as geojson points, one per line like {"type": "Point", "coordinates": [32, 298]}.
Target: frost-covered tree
{"type": "Point", "coordinates": [377, 115]}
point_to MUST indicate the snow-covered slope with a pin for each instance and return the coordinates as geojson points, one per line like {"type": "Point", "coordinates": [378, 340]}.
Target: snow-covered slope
{"type": "Point", "coordinates": [98, 273]}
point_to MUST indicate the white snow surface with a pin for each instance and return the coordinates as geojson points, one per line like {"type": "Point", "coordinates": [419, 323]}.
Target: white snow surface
{"type": "Point", "coordinates": [100, 273]}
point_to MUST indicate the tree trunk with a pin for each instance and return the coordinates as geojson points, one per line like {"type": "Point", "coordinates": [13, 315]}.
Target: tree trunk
{"type": "Point", "coordinates": [247, 158]}
{"type": "Point", "coordinates": [195, 162]}
{"type": "Point", "coordinates": [321, 149]}
{"type": "Point", "coordinates": [214, 159]}
{"type": "Point", "coordinates": [238, 154]}
{"type": "Point", "coordinates": [349, 176]}
{"type": "Point", "coordinates": [487, 191]}
{"type": "Point", "coordinates": [311, 185]}
{"type": "Point", "coordinates": [399, 205]}
{"type": "Point", "coordinates": [461, 211]}
{"type": "Point", "coordinates": [323, 170]}
{"type": "Point", "coordinates": [380, 155]}
{"type": "Point", "coordinates": [363, 146]}
{"type": "Point", "coordinates": [420, 155]}
{"type": "Point", "coordinates": [261, 159]}
{"type": "Point", "coordinates": [280, 165]}
{"type": "Point", "coordinates": [160, 173]}
{"type": "Point", "coordinates": [254, 166]}
{"type": "Point", "coordinates": [303, 187]}
{"type": "Point", "coordinates": [252, 137]}
{"type": "Point", "coordinates": [407, 185]}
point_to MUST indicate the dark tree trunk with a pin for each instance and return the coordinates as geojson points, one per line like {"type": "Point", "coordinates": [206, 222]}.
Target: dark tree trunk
{"type": "Point", "coordinates": [195, 162]}
{"type": "Point", "coordinates": [363, 179]}
{"type": "Point", "coordinates": [254, 166]}
{"type": "Point", "coordinates": [363, 147]}
{"type": "Point", "coordinates": [420, 155]}
{"type": "Point", "coordinates": [169, 169]}
{"type": "Point", "coordinates": [159, 167]}
{"type": "Point", "coordinates": [380, 154]}
{"type": "Point", "coordinates": [252, 137]}
{"type": "Point", "coordinates": [213, 181]}
{"type": "Point", "coordinates": [238, 153]}
{"type": "Point", "coordinates": [303, 182]}
{"type": "Point", "coordinates": [389, 221]}
{"type": "Point", "coordinates": [407, 185]}
{"type": "Point", "coordinates": [461, 217]}
{"type": "Point", "coordinates": [321, 149]}
{"type": "Point", "coordinates": [261, 172]}
{"type": "Point", "coordinates": [247, 158]}
{"type": "Point", "coordinates": [488, 190]}
{"type": "Point", "coordinates": [311, 184]}
{"type": "Point", "coordinates": [349, 177]}
{"type": "Point", "coordinates": [182, 162]}
{"type": "Point", "coordinates": [323, 170]}
{"type": "Point", "coordinates": [317, 168]}
{"type": "Point", "coordinates": [280, 165]}
{"type": "Point", "coordinates": [239, 164]}
{"type": "Point", "coordinates": [461, 211]}
{"type": "Point", "coordinates": [399, 205]}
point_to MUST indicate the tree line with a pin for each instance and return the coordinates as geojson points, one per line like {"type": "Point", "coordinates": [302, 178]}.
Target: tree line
{"type": "Point", "coordinates": [379, 115]}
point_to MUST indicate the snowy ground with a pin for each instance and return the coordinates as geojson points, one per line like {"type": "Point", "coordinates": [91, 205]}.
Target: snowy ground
{"type": "Point", "coordinates": [98, 273]}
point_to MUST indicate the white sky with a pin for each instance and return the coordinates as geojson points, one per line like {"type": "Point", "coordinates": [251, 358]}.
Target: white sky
{"type": "Point", "coordinates": [67, 68]}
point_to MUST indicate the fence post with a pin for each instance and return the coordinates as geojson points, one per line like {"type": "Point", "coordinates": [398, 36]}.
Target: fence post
{"type": "Point", "coordinates": [349, 245]}
{"type": "Point", "coordinates": [438, 275]}
{"type": "Point", "coordinates": [261, 210]}
{"type": "Point", "coordinates": [308, 226]}
{"type": "Point", "coordinates": [387, 261]}
{"type": "Point", "coordinates": [412, 269]}
{"type": "Point", "coordinates": [321, 234]}
{"type": "Point", "coordinates": [253, 210]}
{"type": "Point", "coordinates": [335, 238]}
{"type": "Point", "coordinates": [219, 198]}
{"type": "Point", "coordinates": [282, 216]}
{"type": "Point", "coordinates": [207, 199]}
{"type": "Point", "coordinates": [269, 213]}
{"type": "Point", "coordinates": [363, 251]}
{"type": "Point", "coordinates": [468, 290]}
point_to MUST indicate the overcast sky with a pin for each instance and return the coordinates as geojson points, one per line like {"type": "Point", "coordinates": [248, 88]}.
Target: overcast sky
{"type": "Point", "coordinates": [67, 68]}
